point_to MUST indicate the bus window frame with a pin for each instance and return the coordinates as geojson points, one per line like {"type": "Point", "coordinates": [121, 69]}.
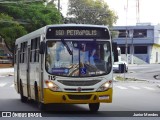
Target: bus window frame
{"type": "Point", "coordinates": [86, 40]}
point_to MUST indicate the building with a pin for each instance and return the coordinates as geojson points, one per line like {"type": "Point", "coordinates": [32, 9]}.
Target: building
{"type": "Point", "coordinates": [142, 42]}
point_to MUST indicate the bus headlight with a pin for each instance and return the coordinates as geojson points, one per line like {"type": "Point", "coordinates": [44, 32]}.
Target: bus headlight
{"type": "Point", "coordinates": [52, 86]}
{"type": "Point", "coordinates": [105, 86]}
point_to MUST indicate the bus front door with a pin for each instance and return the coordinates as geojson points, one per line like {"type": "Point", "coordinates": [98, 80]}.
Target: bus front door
{"type": "Point", "coordinates": [17, 72]}
{"type": "Point", "coordinates": [28, 73]}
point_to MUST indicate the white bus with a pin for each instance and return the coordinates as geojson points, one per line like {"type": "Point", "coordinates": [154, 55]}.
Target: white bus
{"type": "Point", "coordinates": [66, 63]}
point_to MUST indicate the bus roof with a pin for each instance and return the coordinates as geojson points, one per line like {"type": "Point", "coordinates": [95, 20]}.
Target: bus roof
{"type": "Point", "coordinates": [43, 30]}
{"type": "Point", "coordinates": [76, 25]}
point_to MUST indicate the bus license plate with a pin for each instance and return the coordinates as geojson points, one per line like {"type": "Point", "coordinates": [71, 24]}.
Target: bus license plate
{"type": "Point", "coordinates": [103, 97]}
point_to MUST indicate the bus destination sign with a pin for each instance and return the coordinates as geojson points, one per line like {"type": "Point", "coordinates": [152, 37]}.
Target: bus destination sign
{"type": "Point", "coordinates": [77, 33]}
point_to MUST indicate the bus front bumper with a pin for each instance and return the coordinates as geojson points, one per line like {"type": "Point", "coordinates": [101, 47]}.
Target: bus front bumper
{"type": "Point", "coordinates": [78, 97]}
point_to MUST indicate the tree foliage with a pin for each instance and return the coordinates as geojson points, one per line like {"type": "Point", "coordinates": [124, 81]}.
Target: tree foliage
{"type": "Point", "coordinates": [32, 15]}
{"type": "Point", "coordinates": [17, 19]}
{"type": "Point", "coordinates": [10, 30]}
{"type": "Point", "coordinates": [91, 12]}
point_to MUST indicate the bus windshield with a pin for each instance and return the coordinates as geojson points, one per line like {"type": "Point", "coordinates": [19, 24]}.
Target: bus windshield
{"type": "Point", "coordinates": [87, 59]}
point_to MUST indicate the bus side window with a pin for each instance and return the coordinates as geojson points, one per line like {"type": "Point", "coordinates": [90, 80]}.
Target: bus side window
{"type": "Point", "coordinates": [21, 53]}
{"type": "Point", "coordinates": [37, 49]}
{"type": "Point", "coordinates": [35, 43]}
{"type": "Point", "coordinates": [15, 54]}
{"type": "Point", "coordinates": [31, 52]}
{"type": "Point", "coordinates": [23, 50]}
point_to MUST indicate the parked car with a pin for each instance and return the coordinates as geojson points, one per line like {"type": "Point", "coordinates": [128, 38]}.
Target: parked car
{"type": "Point", "coordinates": [8, 56]}
{"type": "Point", "coordinates": [116, 66]}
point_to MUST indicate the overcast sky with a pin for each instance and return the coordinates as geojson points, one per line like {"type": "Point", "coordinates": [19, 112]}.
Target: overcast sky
{"type": "Point", "coordinates": [149, 10]}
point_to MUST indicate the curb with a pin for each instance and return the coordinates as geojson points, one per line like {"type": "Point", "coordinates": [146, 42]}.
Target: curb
{"type": "Point", "coordinates": [157, 77]}
{"type": "Point", "coordinates": [6, 72]}
{"type": "Point", "coordinates": [114, 79]}
{"type": "Point", "coordinates": [139, 79]}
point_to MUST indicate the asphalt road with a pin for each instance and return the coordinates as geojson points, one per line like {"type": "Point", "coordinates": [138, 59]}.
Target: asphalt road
{"type": "Point", "coordinates": [127, 96]}
{"type": "Point", "coordinates": [142, 72]}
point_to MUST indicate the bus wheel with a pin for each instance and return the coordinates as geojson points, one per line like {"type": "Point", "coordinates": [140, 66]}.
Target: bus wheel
{"type": "Point", "coordinates": [41, 106]}
{"type": "Point", "coordinates": [23, 98]}
{"type": "Point", "coordinates": [94, 107]}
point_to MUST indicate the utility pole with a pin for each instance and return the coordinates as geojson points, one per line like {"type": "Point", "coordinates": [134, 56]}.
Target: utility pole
{"type": "Point", "coordinates": [59, 5]}
{"type": "Point", "coordinates": [126, 50]}
{"type": "Point", "coordinates": [132, 47]}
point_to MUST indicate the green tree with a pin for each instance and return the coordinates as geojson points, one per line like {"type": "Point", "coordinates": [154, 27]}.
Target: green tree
{"type": "Point", "coordinates": [10, 30]}
{"type": "Point", "coordinates": [19, 17]}
{"type": "Point", "coordinates": [32, 15]}
{"type": "Point", "coordinates": [91, 12]}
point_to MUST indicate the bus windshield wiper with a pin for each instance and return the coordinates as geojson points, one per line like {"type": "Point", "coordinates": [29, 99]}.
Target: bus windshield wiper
{"type": "Point", "coordinates": [68, 49]}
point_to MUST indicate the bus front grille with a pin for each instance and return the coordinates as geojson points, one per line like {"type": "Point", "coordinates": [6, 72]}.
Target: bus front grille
{"type": "Point", "coordinates": [75, 90]}
{"type": "Point", "coordinates": [79, 97]}
{"type": "Point", "coordinates": [79, 83]}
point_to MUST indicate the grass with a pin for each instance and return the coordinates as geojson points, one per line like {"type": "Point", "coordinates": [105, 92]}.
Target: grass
{"type": "Point", "coordinates": [120, 78]}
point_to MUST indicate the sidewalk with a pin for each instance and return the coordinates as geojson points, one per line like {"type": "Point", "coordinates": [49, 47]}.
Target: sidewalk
{"type": "Point", "coordinates": [6, 71]}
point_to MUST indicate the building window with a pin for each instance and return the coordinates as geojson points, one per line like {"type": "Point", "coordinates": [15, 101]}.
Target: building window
{"type": "Point", "coordinates": [140, 33]}
{"type": "Point", "coordinates": [122, 33]}
{"type": "Point", "coordinates": [140, 50]}
{"type": "Point", "coordinates": [123, 50]}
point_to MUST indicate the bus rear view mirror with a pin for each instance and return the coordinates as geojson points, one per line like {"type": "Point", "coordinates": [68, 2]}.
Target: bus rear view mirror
{"type": "Point", "coordinates": [42, 48]}
{"type": "Point", "coordinates": [115, 51]}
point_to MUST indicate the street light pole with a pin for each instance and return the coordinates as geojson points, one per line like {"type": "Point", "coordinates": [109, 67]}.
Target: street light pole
{"type": "Point", "coordinates": [126, 50]}
{"type": "Point", "coordinates": [132, 49]}
{"type": "Point", "coordinates": [58, 5]}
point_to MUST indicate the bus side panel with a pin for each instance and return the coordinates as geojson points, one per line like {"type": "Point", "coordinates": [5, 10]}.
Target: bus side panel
{"type": "Point", "coordinates": [15, 77]}
{"type": "Point", "coordinates": [16, 70]}
{"type": "Point", "coordinates": [23, 77]}
{"type": "Point", "coordinates": [34, 77]}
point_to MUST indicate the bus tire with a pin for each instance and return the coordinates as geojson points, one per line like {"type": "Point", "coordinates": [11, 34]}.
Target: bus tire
{"type": "Point", "coordinates": [36, 93]}
{"type": "Point", "coordinates": [40, 105]}
{"type": "Point", "coordinates": [23, 98]}
{"type": "Point", "coordinates": [94, 107]}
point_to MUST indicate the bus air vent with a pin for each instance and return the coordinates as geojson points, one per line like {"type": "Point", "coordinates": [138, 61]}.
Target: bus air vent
{"type": "Point", "coordinates": [79, 97]}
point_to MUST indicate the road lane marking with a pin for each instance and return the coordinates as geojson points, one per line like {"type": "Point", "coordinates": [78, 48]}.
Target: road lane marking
{"type": "Point", "coordinates": [133, 87]}
{"type": "Point", "coordinates": [123, 88]}
{"type": "Point", "coordinates": [2, 84]}
{"type": "Point", "coordinates": [12, 85]}
{"type": "Point", "coordinates": [1, 76]}
{"type": "Point", "coordinates": [149, 88]}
